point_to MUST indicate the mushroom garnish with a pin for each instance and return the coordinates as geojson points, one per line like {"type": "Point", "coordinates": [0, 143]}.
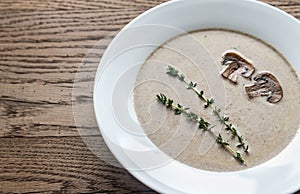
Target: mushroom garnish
{"type": "Point", "coordinates": [265, 84]}
{"type": "Point", "coordinates": [236, 66]}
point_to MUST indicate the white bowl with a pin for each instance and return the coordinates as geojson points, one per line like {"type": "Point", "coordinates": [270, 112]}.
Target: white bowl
{"type": "Point", "coordinates": [116, 76]}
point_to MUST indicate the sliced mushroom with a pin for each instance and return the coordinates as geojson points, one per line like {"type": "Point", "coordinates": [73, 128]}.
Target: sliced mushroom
{"type": "Point", "coordinates": [265, 84]}
{"type": "Point", "coordinates": [237, 66]}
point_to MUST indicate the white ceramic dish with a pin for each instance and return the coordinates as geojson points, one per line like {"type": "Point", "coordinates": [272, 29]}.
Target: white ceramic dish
{"type": "Point", "coordinates": [116, 75]}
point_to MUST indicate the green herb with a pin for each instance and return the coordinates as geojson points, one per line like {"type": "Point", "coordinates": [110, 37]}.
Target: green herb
{"type": "Point", "coordinates": [179, 109]}
{"type": "Point", "coordinates": [229, 127]}
{"type": "Point", "coordinates": [202, 124]}
{"type": "Point", "coordinates": [175, 73]}
{"type": "Point", "coordinates": [239, 158]}
{"type": "Point", "coordinates": [191, 85]}
{"type": "Point", "coordinates": [172, 71]}
{"type": "Point", "coordinates": [235, 154]}
{"type": "Point", "coordinates": [221, 141]}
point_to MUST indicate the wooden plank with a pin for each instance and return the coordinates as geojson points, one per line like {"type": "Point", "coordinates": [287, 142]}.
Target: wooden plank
{"type": "Point", "coordinates": [42, 44]}
{"type": "Point", "coordinates": [29, 5]}
{"type": "Point", "coordinates": [290, 6]}
{"type": "Point", "coordinates": [60, 164]}
{"type": "Point", "coordinates": [41, 51]}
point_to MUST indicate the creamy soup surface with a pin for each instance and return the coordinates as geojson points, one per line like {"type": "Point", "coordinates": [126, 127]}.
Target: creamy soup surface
{"type": "Point", "coordinates": [267, 128]}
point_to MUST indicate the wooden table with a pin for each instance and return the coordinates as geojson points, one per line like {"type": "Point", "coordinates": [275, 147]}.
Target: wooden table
{"type": "Point", "coordinates": [47, 128]}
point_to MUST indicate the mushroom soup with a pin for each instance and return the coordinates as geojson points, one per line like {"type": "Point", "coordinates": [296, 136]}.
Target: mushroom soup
{"type": "Point", "coordinates": [249, 80]}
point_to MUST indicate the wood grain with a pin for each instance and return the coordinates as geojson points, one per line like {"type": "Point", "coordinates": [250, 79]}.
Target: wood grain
{"type": "Point", "coordinates": [43, 164]}
{"type": "Point", "coordinates": [43, 149]}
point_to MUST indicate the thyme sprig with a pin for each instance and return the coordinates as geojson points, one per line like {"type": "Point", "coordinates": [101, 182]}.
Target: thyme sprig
{"type": "Point", "coordinates": [229, 127]}
{"type": "Point", "coordinates": [224, 120]}
{"type": "Point", "coordinates": [179, 109]}
{"type": "Point", "coordinates": [202, 124]}
{"type": "Point", "coordinates": [235, 154]}
{"type": "Point", "coordinates": [172, 71]}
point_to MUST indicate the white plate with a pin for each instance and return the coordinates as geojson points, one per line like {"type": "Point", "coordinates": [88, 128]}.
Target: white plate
{"type": "Point", "coordinates": [113, 101]}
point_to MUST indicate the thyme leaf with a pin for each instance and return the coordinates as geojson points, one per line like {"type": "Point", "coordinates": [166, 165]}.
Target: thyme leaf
{"type": "Point", "coordinates": [161, 98]}
{"type": "Point", "coordinates": [221, 141]}
{"type": "Point", "coordinates": [175, 73]}
{"type": "Point", "coordinates": [239, 157]}
{"type": "Point", "coordinates": [172, 71]}
{"type": "Point", "coordinates": [191, 85]}
{"type": "Point", "coordinates": [202, 123]}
